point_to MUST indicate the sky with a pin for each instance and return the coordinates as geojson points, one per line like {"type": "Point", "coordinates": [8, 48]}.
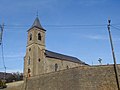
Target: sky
{"type": "Point", "coordinates": [74, 27]}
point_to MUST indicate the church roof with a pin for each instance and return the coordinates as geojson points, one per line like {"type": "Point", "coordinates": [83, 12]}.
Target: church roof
{"type": "Point", "coordinates": [55, 55]}
{"type": "Point", "coordinates": [37, 24]}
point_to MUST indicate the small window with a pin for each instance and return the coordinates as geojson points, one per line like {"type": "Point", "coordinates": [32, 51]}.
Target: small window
{"type": "Point", "coordinates": [29, 72]}
{"type": "Point", "coordinates": [67, 67]}
{"type": "Point", "coordinates": [39, 36]}
{"type": "Point", "coordinates": [39, 60]}
{"type": "Point", "coordinates": [30, 37]}
{"type": "Point", "coordinates": [56, 67]}
{"type": "Point", "coordinates": [29, 61]}
{"type": "Point", "coordinates": [29, 49]}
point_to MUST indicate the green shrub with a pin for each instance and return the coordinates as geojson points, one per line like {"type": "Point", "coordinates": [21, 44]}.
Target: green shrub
{"type": "Point", "coordinates": [3, 84]}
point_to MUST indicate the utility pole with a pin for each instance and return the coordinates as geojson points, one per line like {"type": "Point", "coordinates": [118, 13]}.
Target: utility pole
{"type": "Point", "coordinates": [1, 33]}
{"type": "Point", "coordinates": [1, 43]}
{"type": "Point", "coordinates": [113, 54]}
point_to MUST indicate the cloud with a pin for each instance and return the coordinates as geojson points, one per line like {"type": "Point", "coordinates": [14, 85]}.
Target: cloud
{"type": "Point", "coordinates": [12, 70]}
{"type": "Point", "coordinates": [15, 70]}
{"type": "Point", "coordinates": [96, 37]}
{"type": "Point", "coordinates": [100, 37]}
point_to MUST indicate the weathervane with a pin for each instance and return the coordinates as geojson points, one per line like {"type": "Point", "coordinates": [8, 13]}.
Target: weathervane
{"type": "Point", "coordinates": [37, 13]}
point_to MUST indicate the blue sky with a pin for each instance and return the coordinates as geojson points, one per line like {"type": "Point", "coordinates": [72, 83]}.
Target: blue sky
{"type": "Point", "coordinates": [74, 27]}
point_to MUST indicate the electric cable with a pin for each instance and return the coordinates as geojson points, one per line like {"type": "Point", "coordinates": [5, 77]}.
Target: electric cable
{"type": "Point", "coordinates": [115, 27]}
{"type": "Point", "coordinates": [81, 26]}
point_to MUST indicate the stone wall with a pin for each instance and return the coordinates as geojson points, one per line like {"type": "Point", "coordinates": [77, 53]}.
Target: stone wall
{"type": "Point", "coordinates": [80, 78]}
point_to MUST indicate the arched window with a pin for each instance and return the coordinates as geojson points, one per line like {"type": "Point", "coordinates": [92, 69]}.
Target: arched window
{"type": "Point", "coordinates": [29, 61]}
{"type": "Point", "coordinates": [56, 67]}
{"type": "Point", "coordinates": [30, 37]}
{"type": "Point", "coordinates": [29, 72]}
{"type": "Point", "coordinates": [39, 36]}
{"type": "Point", "coordinates": [67, 67]}
{"type": "Point", "coordinates": [29, 49]}
{"type": "Point", "coordinates": [39, 60]}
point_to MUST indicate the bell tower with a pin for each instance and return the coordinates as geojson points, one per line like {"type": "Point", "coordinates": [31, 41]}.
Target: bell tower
{"type": "Point", "coordinates": [33, 60]}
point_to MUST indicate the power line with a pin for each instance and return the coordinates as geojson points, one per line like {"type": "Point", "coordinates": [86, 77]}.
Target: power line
{"type": "Point", "coordinates": [75, 26]}
{"type": "Point", "coordinates": [115, 27]}
{"type": "Point", "coordinates": [56, 26]}
{"type": "Point", "coordinates": [81, 26]}
{"type": "Point", "coordinates": [59, 25]}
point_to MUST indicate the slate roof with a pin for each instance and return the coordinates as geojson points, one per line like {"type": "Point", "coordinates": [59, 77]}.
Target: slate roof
{"type": "Point", "coordinates": [55, 55]}
{"type": "Point", "coordinates": [37, 24]}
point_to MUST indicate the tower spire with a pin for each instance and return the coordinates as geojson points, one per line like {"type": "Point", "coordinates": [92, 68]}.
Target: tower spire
{"type": "Point", "coordinates": [37, 23]}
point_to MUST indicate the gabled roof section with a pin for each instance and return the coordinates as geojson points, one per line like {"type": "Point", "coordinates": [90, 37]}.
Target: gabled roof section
{"type": "Point", "coordinates": [37, 24]}
{"type": "Point", "coordinates": [55, 55]}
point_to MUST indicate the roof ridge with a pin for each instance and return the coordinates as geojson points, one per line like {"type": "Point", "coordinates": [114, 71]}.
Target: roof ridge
{"type": "Point", "coordinates": [52, 54]}
{"type": "Point", "coordinates": [63, 54]}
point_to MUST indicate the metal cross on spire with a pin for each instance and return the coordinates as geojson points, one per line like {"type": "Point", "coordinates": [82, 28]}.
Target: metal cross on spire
{"type": "Point", "coordinates": [37, 14]}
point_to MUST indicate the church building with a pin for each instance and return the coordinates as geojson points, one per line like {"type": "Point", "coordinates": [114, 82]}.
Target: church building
{"type": "Point", "coordinates": [38, 60]}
